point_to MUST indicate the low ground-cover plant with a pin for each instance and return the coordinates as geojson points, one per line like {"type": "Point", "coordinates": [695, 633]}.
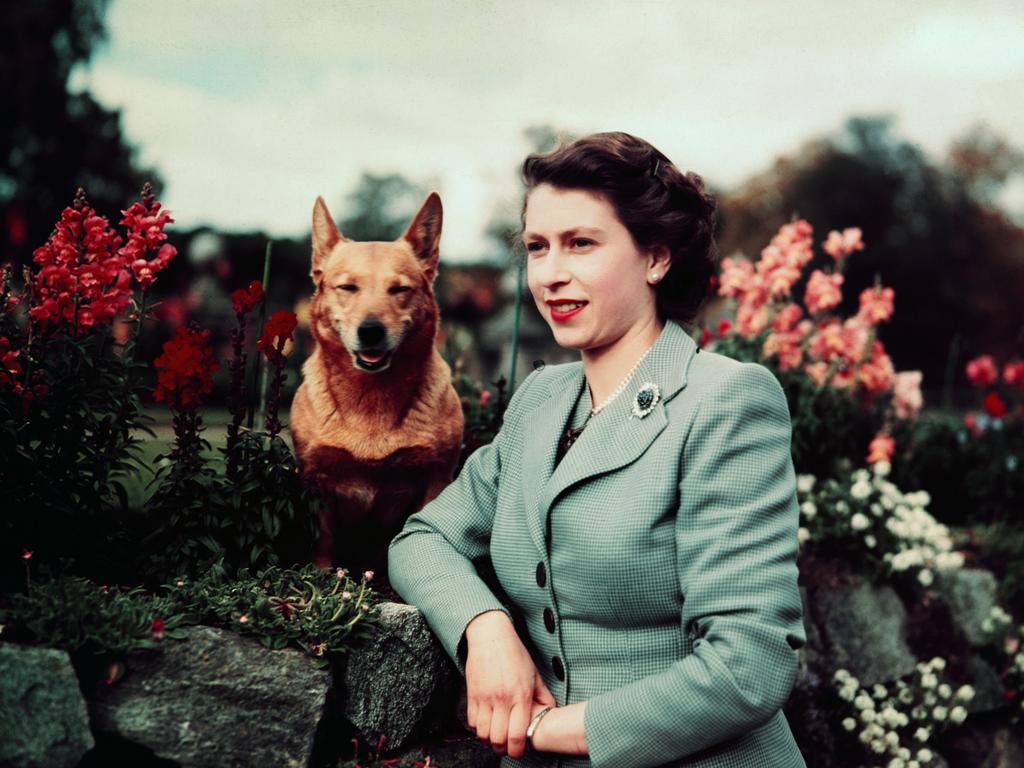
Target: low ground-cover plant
{"type": "Point", "coordinates": [322, 612]}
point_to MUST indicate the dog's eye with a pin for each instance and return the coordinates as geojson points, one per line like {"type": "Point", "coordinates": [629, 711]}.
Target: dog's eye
{"type": "Point", "coordinates": [399, 289]}
{"type": "Point", "coordinates": [347, 287]}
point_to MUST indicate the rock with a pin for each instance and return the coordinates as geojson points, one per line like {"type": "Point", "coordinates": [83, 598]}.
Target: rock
{"type": "Point", "coordinates": [401, 679]}
{"type": "Point", "coordinates": [1007, 750]}
{"type": "Point", "coordinates": [217, 699]}
{"type": "Point", "coordinates": [970, 594]}
{"type": "Point", "coordinates": [864, 626]}
{"type": "Point", "coordinates": [45, 719]}
{"type": "Point", "coordinates": [988, 688]}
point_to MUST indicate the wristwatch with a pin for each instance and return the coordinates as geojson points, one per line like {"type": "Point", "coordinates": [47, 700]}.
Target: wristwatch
{"type": "Point", "coordinates": [533, 725]}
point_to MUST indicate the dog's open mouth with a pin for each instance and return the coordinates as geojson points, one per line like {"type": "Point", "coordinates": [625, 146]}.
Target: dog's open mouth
{"type": "Point", "coordinates": [368, 360]}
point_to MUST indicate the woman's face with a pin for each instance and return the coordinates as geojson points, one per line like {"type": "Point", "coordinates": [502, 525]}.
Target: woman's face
{"type": "Point", "coordinates": [578, 249]}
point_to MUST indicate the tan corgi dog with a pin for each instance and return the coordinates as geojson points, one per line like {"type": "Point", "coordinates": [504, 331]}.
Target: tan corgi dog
{"type": "Point", "coordinates": [376, 422]}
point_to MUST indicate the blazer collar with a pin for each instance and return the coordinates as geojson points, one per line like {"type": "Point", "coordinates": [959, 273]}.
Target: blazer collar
{"type": "Point", "coordinates": [612, 439]}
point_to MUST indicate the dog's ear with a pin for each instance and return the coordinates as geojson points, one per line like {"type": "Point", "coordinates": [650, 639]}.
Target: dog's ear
{"type": "Point", "coordinates": [424, 234]}
{"type": "Point", "coordinates": [325, 235]}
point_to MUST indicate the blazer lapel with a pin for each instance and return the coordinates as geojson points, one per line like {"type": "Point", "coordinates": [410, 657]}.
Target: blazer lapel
{"type": "Point", "coordinates": [612, 438]}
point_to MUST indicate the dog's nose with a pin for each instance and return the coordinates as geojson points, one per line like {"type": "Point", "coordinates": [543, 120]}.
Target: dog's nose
{"type": "Point", "coordinates": [371, 332]}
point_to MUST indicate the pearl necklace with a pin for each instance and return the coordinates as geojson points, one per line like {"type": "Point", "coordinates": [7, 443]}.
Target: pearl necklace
{"type": "Point", "coordinates": [571, 435]}
{"type": "Point", "coordinates": [622, 385]}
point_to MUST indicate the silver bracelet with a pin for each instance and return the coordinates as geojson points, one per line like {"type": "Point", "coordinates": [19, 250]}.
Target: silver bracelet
{"type": "Point", "coordinates": [533, 724]}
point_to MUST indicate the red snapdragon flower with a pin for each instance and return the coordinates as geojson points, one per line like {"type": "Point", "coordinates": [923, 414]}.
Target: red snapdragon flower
{"type": "Point", "coordinates": [994, 405]}
{"type": "Point", "coordinates": [10, 368]}
{"type": "Point", "coordinates": [157, 628]}
{"type": "Point", "coordinates": [1013, 373]}
{"type": "Point", "coordinates": [185, 369]}
{"type": "Point", "coordinates": [278, 328]}
{"type": "Point", "coordinates": [86, 268]}
{"type": "Point", "coordinates": [244, 300]}
{"type": "Point", "coordinates": [80, 269]}
{"type": "Point", "coordinates": [982, 371]}
{"type": "Point", "coordinates": [145, 223]}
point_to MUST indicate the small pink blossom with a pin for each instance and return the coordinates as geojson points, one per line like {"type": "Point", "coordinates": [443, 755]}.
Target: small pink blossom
{"type": "Point", "coordinates": [881, 448]}
{"type": "Point", "coordinates": [823, 291]}
{"type": "Point", "coordinates": [368, 575]}
{"type": "Point", "coordinates": [341, 573]}
{"type": "Point", "coordinates": [840, 244]}
{"type": "Point", "coordinates": [26, 555]}
{"type": "Point", "coordinates": [907, 398]}
{"type": "Point", "coordinates": [243, 619]}
{"type": "Point", "coordinates": [787, 318]}
{"type": "Point", "coordinates": [876, 305]}
{"type": "Point", "coordinates": [785, 344]}
{"type": "Point", "coordinates": [877, 373]}
{"type": "Point", "coordinates": [737, 275]}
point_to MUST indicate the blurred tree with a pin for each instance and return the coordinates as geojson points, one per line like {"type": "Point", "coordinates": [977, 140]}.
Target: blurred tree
{"type": "Point", "coordinates": [381, 207]}
{"type": "Point", "coordinates": [54, 141]}
{"type": "Point", "coordinates": [931, 232]}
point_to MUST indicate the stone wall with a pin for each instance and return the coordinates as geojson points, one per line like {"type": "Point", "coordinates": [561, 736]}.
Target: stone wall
{"type": "Point", "coordinates": [221, 699]}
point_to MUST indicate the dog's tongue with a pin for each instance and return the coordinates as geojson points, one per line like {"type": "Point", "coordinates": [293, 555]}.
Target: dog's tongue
{"type": "Point", "coordinates": [371, 358]}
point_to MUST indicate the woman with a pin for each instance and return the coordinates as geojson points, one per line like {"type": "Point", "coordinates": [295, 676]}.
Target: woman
{"type": "Point", "coordinates": [639, 506]}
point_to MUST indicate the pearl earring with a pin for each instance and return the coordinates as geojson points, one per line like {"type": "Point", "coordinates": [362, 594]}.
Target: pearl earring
{"type": "Point", "coordinates": [654, 276]}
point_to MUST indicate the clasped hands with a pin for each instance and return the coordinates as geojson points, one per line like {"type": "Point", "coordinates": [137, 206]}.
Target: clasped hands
{"type": "Point", "coordinates": [504, 691]}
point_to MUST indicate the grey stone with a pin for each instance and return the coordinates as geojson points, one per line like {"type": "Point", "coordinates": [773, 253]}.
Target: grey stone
{"type": "Point", "coordinates": [988, 688]}
{"type": "Point", "coordinates": [970, 594]}
{"type": "Point", "coordinates": [217, 699]}
{"type": "Point", "coordinates": [45, 723]}
{"type": "Point", "coordinates": [1007, 750]}
{"type": "Point", "coordinates": [864, 625]}
{"type": "Point", "coordinates": [401, 679]}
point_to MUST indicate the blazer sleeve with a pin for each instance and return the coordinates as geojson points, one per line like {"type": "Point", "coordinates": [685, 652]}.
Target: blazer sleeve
{"type": "Point", "coordinates": [430, 560]}
{"type": "Point", "coordinates": [736, 544]}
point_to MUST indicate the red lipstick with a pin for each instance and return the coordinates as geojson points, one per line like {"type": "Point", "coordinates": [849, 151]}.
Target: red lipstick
{"type": "Point", "coordinates": [562, 316]}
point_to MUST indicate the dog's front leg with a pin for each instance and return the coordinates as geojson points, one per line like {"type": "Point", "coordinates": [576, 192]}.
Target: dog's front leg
{"type": "Point", "coordinates": [323, 554]}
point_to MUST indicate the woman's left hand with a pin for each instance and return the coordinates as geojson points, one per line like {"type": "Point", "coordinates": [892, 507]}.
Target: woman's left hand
{"type": "Point", "coordinates": [560, 730]}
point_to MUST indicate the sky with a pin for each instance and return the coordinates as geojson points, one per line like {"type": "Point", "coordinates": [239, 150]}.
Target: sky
{"type": "Point", "coordinates": [249, 110]}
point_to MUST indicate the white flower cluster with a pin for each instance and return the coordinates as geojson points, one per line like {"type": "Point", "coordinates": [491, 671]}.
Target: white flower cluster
{"type": "Point", "coordinates": [997, 621]}
{"type": "Point", "coordinates": [876, 507]}
{"type": "Point", "coordinates": [998, 626]}
{"type": "Point", "coordinates": [897, 722]}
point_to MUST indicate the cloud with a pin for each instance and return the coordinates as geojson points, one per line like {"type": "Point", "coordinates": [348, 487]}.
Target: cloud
{"type": "Point", "coordinates": [252, 109]}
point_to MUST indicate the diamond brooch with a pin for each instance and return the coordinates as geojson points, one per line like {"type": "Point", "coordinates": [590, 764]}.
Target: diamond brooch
{"type": "Point", "coordinates": [646, 398]}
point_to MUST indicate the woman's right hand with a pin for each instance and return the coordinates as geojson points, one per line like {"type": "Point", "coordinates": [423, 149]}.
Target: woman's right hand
{"type": "Point", "coordinates": [502, 683]}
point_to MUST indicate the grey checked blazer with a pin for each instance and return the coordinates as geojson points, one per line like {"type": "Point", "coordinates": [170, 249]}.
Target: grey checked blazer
{"type": "Point", "coordinates": [653, 570]}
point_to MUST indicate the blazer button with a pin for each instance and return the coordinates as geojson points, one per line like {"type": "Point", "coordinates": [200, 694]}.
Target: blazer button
{"type": "Point", "coordinates": [549, 620]}
{"type": "Point", "coordinates": [556, 664]}
{"type": "Point", "coordinates": [541, 575]}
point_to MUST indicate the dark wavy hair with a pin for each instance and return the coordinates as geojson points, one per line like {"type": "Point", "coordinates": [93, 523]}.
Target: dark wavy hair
{"type": "Point", "coordinates": [656, 202]}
